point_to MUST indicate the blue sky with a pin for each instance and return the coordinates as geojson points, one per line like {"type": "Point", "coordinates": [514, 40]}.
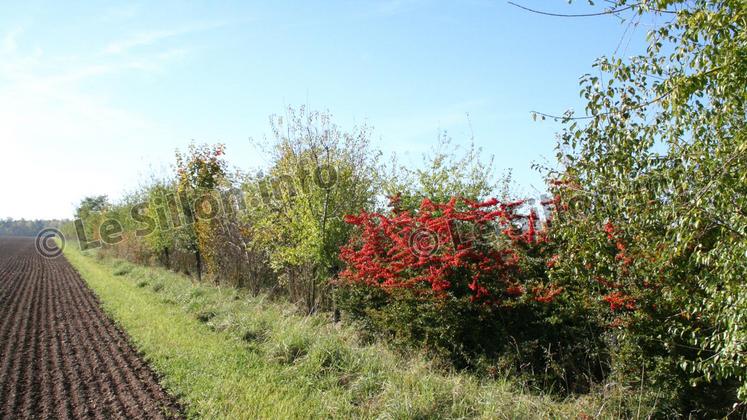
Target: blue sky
{"type": "Point", "coordinates": [94, 97]}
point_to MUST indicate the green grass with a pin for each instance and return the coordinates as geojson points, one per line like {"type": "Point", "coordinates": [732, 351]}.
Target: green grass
{"type": "Point", "coordinates": [225, 354]}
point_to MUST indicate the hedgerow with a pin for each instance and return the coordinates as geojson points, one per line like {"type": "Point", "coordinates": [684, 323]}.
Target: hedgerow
{"type": "Point", "coordinates": [635, 278]}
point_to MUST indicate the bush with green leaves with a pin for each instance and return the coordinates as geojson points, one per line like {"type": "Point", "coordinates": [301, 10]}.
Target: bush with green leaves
{"type": "Point", "coordinates": [161, 239]}
{"type": "Point", "coordinates": [476, 293]}
{"type": "Point", "coordinates": [88, 216]}
{"type": "Point", "coordinates": [446, 171]}
{"type": "Point", "coordinates": [654, 182]}
{"type": "Point", "coordinates": [318, 174]}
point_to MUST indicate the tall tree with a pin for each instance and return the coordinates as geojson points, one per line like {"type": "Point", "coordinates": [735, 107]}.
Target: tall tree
{"type": "Point", "coordinates": [319, 174]}
{"type": "Point", "coordinates": [654, 180]}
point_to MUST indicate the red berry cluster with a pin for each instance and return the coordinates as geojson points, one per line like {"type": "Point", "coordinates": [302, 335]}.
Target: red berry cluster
{"type": "Point", "coordinates": [457, 248]}
{"type": "Point", "coordinates": [617, 299]}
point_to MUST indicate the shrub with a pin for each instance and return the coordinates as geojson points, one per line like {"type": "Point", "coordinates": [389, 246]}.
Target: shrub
{"type": "Point", "coordinates": [444, 251]}
{"type": "Point", "coordinates": [653, 178]}
{"type": "Point", "coordinates": [466, 281]}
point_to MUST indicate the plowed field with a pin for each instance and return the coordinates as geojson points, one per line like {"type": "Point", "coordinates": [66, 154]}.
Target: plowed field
{"type": "Point", "coordinates": [60, 355]}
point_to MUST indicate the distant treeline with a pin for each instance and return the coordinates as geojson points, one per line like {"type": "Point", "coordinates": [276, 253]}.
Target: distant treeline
{"type": "Point", "coordinates": [22, 227]}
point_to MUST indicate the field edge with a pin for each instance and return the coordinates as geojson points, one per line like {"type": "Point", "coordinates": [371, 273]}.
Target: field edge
{"type": "Point", "coordinates": [227, 355]}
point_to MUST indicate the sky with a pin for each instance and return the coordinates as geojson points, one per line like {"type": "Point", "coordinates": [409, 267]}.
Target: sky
{"type": "Point", "coordinates": [96, 97]}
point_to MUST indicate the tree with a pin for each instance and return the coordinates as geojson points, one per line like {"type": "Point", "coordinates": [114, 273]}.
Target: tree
{"type": "Point", "coordinates": [319, 173]}
{"type": "Point", "coordinates": [22, 227]}
{"type": "Point", "coordinates": [199, 174]}
{"type": "Point", "coordinates": [446, 174]}
{"type": "Point", "coordinates": [160, 210]}
{"type": "Point", "coordinates": [89, 213]}
{"type": "Point", "coordinates": [654, 184]}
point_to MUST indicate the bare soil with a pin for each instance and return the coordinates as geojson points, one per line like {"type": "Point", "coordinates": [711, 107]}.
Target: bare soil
{"type": "Point", "coordinates": [60, 355]}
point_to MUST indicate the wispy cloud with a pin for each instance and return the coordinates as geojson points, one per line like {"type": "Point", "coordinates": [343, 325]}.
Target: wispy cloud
{"type": "Point", "coordinates": [430, 123]}
{"type": "Point", "coordinates": [155, 62]}
{"type": "Point", "coordinates": [9, 44]}
{"type": "Point", "coordinates": [140, 39]}
{"type": "Point", "coordinates": [150, 37]}
{"type": "Point", "coordinates": [47, 111]}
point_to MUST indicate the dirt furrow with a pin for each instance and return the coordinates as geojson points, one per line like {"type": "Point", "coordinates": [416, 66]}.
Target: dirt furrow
{"type": "Point", "coordinates": [134, 370]}
{"type": "Point", "coordinates": [93, 345]}
{"type": "Point", "coordinates": [17, 345]}
{"type": "Point", "coordinates": [67, 376]}
{"type": "Point", "coordinates": [60, 355]}
{"type": "Point", "coordinates": [57, 383]}
{"type": "Point", "coordinates": [30, 375]}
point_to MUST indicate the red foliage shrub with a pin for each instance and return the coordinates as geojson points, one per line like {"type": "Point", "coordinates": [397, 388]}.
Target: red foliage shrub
{"type": "Point", "coordinates": [459, 248]}
{"type": "Point", "coordinates": [619, 300]}
{"type": "Point", "coordinates": [621, 292]}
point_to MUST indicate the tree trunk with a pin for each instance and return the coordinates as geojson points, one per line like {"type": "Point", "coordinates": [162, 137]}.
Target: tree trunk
{"type": "Point", "coordinates": [198, 259]}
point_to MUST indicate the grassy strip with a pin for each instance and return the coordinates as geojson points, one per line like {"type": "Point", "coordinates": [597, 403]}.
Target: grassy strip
{"type": "Point", "coordinates": [228, 355]}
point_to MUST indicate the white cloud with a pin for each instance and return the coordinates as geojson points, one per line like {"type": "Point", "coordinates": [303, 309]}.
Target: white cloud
{"type": "Point", "coordinates": [61, 144]}
{"type": "Point", "coordinates": [408, 129]}
{"type": "Point", "coordinates": [155, 62]}
{"type": "Point", "coordinates": [140, 39]}
{"type": "Point", "coordinates": [61, 141]}
{"type": "Point", "coordinates": [150, 37]}
{"type": "Point", "coordinates": [9, 44]}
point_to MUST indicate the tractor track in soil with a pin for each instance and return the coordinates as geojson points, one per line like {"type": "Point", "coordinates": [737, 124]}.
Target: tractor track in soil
{"type": "Point", "coordinates": [60, 355]}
